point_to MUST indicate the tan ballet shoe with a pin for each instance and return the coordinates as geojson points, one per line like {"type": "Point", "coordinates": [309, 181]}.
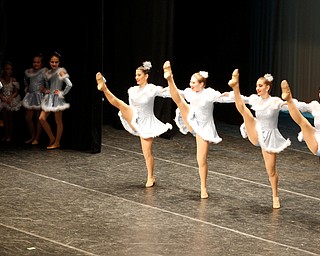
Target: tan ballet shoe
{"type": "Point", "coordinates": [35, 142]}
{"type": "Point", "coordinates": [276, 202]}
{"type": "Point", "coordinates": [100, 81]}
{"type": "Point", "coordinates": [52, 140]}
{"type": "Point", "coordinates": [150, 182]}
{"type": "Point", "coordinates": [204, 194]}
{"type": "Point", "coordinates": [29, 141]}
{"type": "Point", "coordinates": [54, 146]}
{"type": "Point", "coordinates": [167, 70]}
{"type": "Point", "coordinates": [286, 93]}
{"type": "Point", "coordinates": [235, 79]}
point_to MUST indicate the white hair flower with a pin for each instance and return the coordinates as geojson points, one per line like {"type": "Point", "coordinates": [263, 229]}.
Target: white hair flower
{"type": "Point", "coordinates": [204, 74]}
{"type": "Point", "coordinates": [269, 77]}
{"type": "Point", "coordinates": [147, 65]}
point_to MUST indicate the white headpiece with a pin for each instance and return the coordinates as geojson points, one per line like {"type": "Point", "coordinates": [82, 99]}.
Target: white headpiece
{"type": "Point", "coordinates": [147, 65]}
{"type": "Point", "coordinates": [204, 74]}
{"type": "Point", "coordinates": [269, 77]}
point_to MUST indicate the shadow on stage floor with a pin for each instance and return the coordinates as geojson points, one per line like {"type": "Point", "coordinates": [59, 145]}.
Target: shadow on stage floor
{"type": "Point", "coordinates": [65, 202]}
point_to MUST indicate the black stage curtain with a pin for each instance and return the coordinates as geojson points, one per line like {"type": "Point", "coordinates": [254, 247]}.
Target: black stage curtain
{"type": "Point", "coordinates": [76, 33]}
{"type": "Point", "coordinates": [134, 32]}
{"type": "Point", "coordinates": [115, 37]}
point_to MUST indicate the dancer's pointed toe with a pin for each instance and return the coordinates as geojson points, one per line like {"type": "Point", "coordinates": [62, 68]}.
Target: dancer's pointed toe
{"type": "Point", "coordinates": [234, 81]}
{"type": "Point", "coordinates": [167, 70]}
{"type": "Point", "coordinates": [286, 93]}
{"type": "Point", "coordinates": [100, 81]}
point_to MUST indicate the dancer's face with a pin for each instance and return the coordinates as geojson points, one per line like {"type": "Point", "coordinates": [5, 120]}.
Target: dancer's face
{"type": "Point", "coordinates": [54, 62]}
{"type": "Point", "coordinates": [262, 88]}
{"type": "Point", "coordinates": [141, 78]}
{"type": "Point", "coordinates": [8, 70]}
{"type": "Point", "coordinates": [195, 85]}
{"type": "Point", "coordinates": [37, 63]}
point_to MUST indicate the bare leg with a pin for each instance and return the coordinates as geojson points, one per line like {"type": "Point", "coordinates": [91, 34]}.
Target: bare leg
{"type": "Point", "coordinates": [307, 129]}
{"type": "Point", "coordinates": [270, 164]}
{"type": "Point", "coordinates": [175, 95]}
{"type": "Point", "coordinates": [202, 151]}
{"type": "Point", "coordinates": [5, 124]}
{"type": "Point", "coordinates": [30, 124]}
{"type": "Point", "coordinates": [59, 123]}
{"type": "Point", "coordinates": [10, 124]}
{"type": "Point", "coordinates": [247, 116]}
{"type": "Point", "coordinates": [38, 130]}
{"type": "Point", "coordinates": [146, 145]}
{"type": "Point", "coordinates": [113, 100]}
{"type": "Point", "coordinates": [43, 120]}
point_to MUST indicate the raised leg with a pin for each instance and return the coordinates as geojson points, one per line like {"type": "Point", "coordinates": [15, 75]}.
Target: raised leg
{"type": "Point", "coordinates": [248, 118]}
{"type": "Point", "coordinates": [307, 129]}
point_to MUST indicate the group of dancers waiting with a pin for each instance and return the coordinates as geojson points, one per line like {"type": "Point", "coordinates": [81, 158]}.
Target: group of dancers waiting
{"type": "Point", "coordinates": [194, 115]}
{"type": "Point", "coordinates": [44, 94]}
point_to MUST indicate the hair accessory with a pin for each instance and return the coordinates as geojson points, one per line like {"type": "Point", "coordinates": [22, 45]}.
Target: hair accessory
{"type": "Point", "coordinates": [269, 77]}
{"type": "Point", "coordinates": [147, 65]}
{"type": "Point", "coordinates": [57, 54]}
{"type": "Point", "coordinates": [204, 74]}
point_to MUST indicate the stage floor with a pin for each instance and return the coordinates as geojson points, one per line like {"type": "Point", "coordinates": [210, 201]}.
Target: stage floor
{"type": "Point", "coordinates": [66, 202]}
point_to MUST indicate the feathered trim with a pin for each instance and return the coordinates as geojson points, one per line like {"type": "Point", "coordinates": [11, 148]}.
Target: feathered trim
{"type": "Point", "coordinates": [55, 109]}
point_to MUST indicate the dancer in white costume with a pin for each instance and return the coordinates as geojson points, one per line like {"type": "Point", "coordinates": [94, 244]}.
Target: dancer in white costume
{"type": "Point", "coordinates": [34, 81]}
{"type": "Point", "coordinates": [310, 134]}
{"type": "Point", "coordinates": [262, 129]}
{"type": "Point", "coordinates": [196, 116]}
{"type": "Point", "coordinates": [138, 117]}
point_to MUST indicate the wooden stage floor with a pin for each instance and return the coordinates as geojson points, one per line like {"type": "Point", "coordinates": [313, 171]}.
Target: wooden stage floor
{"type": "Point", "coordinates": [65, 202]}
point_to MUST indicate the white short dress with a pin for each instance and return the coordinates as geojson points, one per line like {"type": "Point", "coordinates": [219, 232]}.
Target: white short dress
{"type": "Point", "coordinates": [200, 117]}
{"type": "Point", "coordinates": [314, 109]}
{"type": "Point", "coordinates": [266, 115]}
{"type": "Point", "coordinates": [144, 121]}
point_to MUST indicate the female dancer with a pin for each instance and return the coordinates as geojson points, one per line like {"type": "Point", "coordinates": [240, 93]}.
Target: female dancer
{"type": "Point", "coordinates": [262, 129]}
{"type": "Point", "coordinates": [197, 117]}
{"type": "Point", "coordinates": [310, 134]}
{"type": "Point", "coordinates": [10, 100]}
{"type": "Point", "coordinates": [138, 117]}
{"type": "Point", "coordinates": [54, 99]}
{"type": "Point", "coordinates": [34, 81]}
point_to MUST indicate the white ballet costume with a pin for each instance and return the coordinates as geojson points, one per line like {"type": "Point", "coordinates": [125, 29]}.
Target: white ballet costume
{"type": "Point", "coordinates": [266, 116]}
{"type": "Point", "coordinates": [200, 117]}
{"type": "Point", "coordinates": [144, 121]}
{"type": "Point", "coordinates": [314, 109]}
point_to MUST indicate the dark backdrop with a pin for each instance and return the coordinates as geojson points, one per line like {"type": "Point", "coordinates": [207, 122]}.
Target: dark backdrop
{"type": "Point", "coordinates": [117, 36]}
